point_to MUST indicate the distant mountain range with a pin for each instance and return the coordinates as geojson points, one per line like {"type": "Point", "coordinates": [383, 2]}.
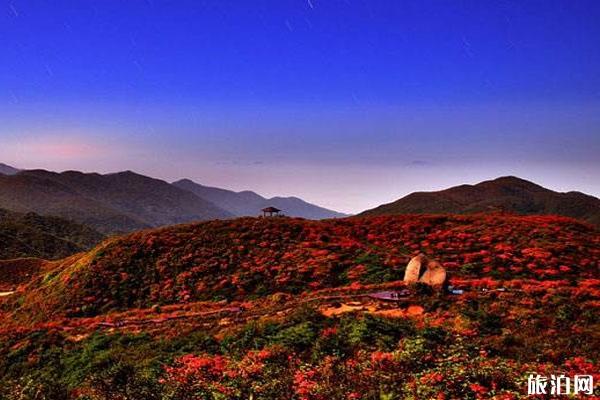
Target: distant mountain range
{"type": "Point", "coordinates": [127, 201]}
{"type": "Point", "coordinates": [248, 203]}
{"type": "Point", "coordinates": [33, 235]}
{"type": "Point", "coordinates": [111, 203]}
{"type": "Point", "coordinates": [502, 194]}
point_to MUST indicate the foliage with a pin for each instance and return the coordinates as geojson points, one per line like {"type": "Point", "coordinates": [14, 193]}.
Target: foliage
{"type": "Point", "coordinates": [249, 258]}
{"type": "Point", "coordinates": [32, 235]}
{"type": "Point", "coordinates": [283, 309]}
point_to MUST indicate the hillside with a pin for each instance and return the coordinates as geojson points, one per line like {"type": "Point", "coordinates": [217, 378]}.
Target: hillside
{"type": "Point", "coordinates": [284, 308]}
{"type": "Point", "coordinates": [507, 194]}
{"type": "Point", "coordinates": [19, 271]}
{"type": "Point", "coordinates": [33, 235]}
{"type": "Point", "coordinates": [249, 204]}
{"type": "Point", "coordinates": [7, 169]}
{"type": "Point", "coordinates": [117, 202]}
{"type": "Point", "coordinates": [254, 257]}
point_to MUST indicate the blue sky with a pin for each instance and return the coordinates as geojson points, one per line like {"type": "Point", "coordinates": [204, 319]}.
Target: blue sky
{"type": "Point", "coordinates": [345, 103]}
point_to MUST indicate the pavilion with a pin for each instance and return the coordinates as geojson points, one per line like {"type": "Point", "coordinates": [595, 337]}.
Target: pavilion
{"type": "Point", "coordinates": [271, 212]}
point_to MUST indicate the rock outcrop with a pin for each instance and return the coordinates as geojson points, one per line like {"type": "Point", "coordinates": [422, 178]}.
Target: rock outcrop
{"type": "Point", "coordinates": [422, 269]}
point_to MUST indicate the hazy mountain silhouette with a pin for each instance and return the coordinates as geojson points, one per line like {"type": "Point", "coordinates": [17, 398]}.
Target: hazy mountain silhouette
{"type": "Point", "coordinates": [248, 203]}
{"type": "Point", "coordinates": [508, 193]}
{"type": "Point", "coordinates": [117, 202]}
{"type": "Point", "coordinates": [7, 169]}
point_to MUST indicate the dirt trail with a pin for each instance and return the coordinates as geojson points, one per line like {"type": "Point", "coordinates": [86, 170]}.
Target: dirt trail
{"type": "Point", "coordinates": [206, 314]}
{"type": "Point", "coordinates": [232, 313]}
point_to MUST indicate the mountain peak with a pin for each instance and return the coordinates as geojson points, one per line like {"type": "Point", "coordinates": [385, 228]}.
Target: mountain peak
{"type": "Point", "coordinates": [508, 193]}
{"type": "Point", "coordinates": [126, 173]}
{"type": "Point", "coordinates": [185, 181]}
{"type": "Point", "coordinates": [509, 180]}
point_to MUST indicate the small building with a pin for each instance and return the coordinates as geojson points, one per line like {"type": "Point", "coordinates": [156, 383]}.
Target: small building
{"type": "Point", "coordinates": [271, 212]}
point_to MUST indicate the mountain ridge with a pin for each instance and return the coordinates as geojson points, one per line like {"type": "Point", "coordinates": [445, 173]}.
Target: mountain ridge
{"type": "Point", "coordinates": [112, 203]}
{"type": "Point", "coordinates": [506, 193]}
{"type": "Point", "coordinates": [247, 203]}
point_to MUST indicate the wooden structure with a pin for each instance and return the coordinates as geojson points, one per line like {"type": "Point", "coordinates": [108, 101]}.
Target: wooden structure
{"type": "Point", "coordinates": [271, 212]}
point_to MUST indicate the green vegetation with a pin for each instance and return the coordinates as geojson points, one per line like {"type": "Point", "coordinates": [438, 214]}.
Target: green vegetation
{"type": "Point", "coordinates": [50, 238]}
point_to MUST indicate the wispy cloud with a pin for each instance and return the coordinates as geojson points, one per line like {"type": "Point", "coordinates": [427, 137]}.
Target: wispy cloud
{"type": "Point", "coordinates": [419, 163]}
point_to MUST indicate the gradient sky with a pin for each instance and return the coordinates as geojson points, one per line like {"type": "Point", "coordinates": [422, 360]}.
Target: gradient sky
{"type": "Point", "coordinates": [345, 103]}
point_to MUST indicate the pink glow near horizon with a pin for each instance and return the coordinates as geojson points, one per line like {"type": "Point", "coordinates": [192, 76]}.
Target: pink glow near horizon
{"type": "Point", "coordinates": [329, 158]}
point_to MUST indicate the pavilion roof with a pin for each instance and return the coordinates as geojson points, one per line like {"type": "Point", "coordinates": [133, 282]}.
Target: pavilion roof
{"type": "Point", "coordinates": [271, 209]}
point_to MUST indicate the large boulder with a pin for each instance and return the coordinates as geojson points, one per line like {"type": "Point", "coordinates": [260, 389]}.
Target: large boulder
{"type": "Point", "coordinates": [422, 269]}
{"type": "Point", "coordinates": [435, 275]}
{"type": "Point", "coordinates": [413, 269]}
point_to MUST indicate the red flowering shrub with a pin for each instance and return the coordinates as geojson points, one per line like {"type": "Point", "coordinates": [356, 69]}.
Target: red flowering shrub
{"type": "Point", "coordinates": [288, 309]}
{"type": "Point", "coordinates": [265, 373]}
